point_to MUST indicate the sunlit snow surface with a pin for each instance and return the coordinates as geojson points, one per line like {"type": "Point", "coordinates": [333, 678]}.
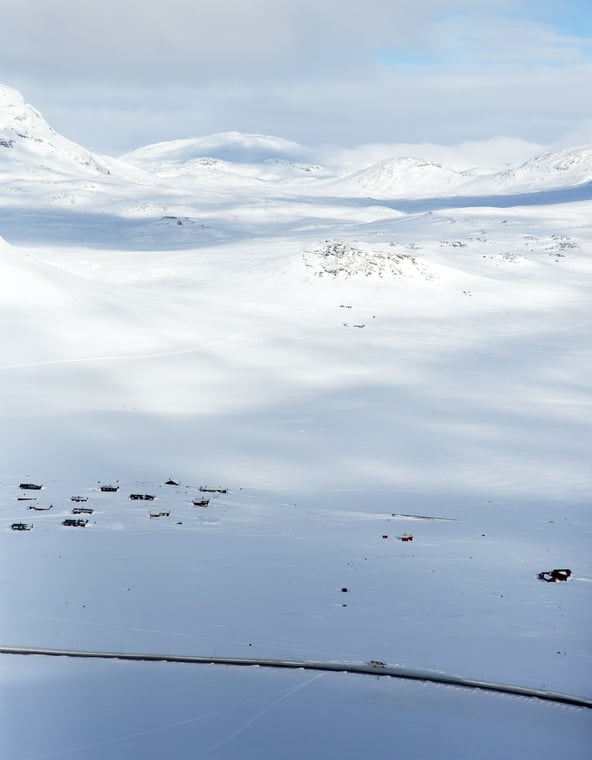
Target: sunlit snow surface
{"type": "Point", "coordinates": [346, 367]}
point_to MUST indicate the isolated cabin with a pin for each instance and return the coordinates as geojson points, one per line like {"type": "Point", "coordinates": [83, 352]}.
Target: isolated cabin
{"type": "Point", "coordinates": [551, 576]}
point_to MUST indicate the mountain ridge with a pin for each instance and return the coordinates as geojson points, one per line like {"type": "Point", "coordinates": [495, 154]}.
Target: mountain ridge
{"type": "Point", "coordinates": [30, 149]}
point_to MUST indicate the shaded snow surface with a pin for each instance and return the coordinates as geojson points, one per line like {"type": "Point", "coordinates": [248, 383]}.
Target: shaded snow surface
{"type": "Point", "coordinates": [119, 710]}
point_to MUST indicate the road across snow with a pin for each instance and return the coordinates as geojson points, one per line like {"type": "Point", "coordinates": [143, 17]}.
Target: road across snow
{"type": "Point", "coordinates": [374, 668]}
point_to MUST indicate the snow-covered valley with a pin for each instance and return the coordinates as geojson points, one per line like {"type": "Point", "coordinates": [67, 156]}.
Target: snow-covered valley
{"type": "Point", "coordinates": [403, 350]}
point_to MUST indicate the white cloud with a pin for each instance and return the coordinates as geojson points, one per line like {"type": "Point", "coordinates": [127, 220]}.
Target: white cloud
{"type": "Point", "coordinates": [498, 41]}
{"type": "Point", "coordinates": [213, 39]}
{"type": "Point", "coordinates": [495, 153]}
{"type": "Point", "coordinates": [116, 75]}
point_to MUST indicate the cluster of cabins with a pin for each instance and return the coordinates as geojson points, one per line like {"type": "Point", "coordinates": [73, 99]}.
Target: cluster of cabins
{"type": "Point", "coordinates": [81, 522]}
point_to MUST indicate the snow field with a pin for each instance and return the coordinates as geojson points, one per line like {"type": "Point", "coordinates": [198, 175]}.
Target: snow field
{"type": "Point", "coordinates": [346, 366]}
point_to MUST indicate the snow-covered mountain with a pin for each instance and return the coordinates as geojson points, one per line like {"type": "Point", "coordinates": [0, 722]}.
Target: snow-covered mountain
{"type": "Point", "coordinates": [568, 167]}
{"type": "Point", "coordinates": [406, 177]}
{"type": "Point", "coordinates": [233, 147]}
{"type": "Point", "coordinates": [29, 146]}
{"type": "Point", "coordinates": [31, 149]}
{"type": "Point", "coordinates": [226, 154]}
{"type": "Point", "coordinates": [418, 178]}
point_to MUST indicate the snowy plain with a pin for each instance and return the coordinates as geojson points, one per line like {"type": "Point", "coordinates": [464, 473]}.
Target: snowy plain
{"type": "Point", "coordinates": [352, 358]}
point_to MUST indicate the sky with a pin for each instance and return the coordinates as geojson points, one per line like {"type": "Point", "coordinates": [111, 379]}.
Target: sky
{"type": "Point", "coordinates": [120, 74]}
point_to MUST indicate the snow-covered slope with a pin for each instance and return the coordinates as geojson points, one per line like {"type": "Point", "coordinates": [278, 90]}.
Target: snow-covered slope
{"type": "Point", "coordinates": [54, 316]}
{"type": "Point", "coordinates": [366, 402]}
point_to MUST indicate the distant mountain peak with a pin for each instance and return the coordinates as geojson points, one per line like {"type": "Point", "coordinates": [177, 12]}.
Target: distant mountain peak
{"type": "Point", "coordinates": [232, 147]}
{"type": "Point", "coordinates": [29, 146]}
{"type": "Point", "coordinates": [14, 108]}
{"type": "Point", "coordinates": [234, 158]}
{"type": "Point", "coordinates": [395, 177]}
{"type": "Point", "coordinates": [566, 167]}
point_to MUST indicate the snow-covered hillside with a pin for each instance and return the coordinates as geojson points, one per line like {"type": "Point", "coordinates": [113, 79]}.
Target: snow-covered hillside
{"type": "Point", "coordinates": [231, 155]}
{"type": "Point", "coordinates": [417, 178]}
{"type": "Point", "coordinates": [569, 167]}
{"type": "Point", "coordinates": [351, 366]}
{"type": "Point", "coordinates": [30, 147]}
{"type": "Point", "coordinates": [233, 147]}
{"type": "Point", "coordinates": [401, 178]}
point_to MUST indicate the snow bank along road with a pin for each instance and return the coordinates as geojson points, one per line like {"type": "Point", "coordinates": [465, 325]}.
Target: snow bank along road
{"type": "Point", "coordinates": [374, 667]}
